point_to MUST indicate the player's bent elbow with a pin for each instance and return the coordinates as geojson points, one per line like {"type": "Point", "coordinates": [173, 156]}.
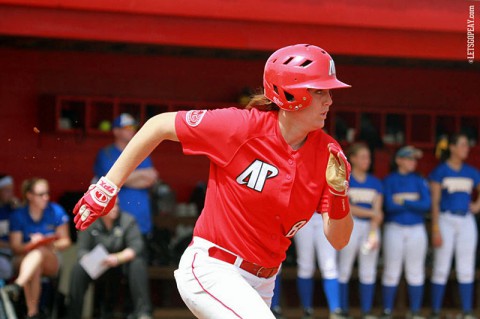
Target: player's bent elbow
{"type": "Point", "coordinates": [340, 242]}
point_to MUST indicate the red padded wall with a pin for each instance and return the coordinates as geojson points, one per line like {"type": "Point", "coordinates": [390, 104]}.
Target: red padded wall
{"type": "Point", "coordinates": [66, 160]}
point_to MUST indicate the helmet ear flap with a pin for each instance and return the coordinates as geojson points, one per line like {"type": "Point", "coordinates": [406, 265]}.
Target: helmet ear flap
{"type": "Point", "coordinates": [289, 97]}
{"type": "Point", "coordinates": [281, 95]}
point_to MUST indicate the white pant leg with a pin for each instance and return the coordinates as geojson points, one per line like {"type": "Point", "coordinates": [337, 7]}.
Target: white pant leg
{"type": "Point", "coordinates": [213, 289]}
{"type": "Point", "coordinates": [465, 249]}
{"type": "Point", "coordinates": [442, 261]}
{"type": "Point", "coordinates": [327, 255]}
{"type": "Point", "coordinates": [305, 248]}
{"type": "Point", "coordinates": [346, 256]}
{"type": "Point", "coordinates": [393, 252]}
{"type": "Point", "coordinates": [367, 263]}
{"type": "Point", "coordinates": [416, 243]}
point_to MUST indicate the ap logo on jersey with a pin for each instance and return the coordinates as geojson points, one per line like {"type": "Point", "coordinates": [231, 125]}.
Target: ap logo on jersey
{"type": "Point", "coordinates": [257, 174]}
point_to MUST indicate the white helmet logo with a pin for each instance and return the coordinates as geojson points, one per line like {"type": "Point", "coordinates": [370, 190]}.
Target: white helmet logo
{"type": "Point", "coordinates": [331, 71]}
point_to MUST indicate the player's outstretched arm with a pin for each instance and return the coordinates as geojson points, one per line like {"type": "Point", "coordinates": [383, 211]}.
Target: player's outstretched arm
{"type": "Point", "coordinates": [100, 198]}
{"type": "Point", "coordinates": [155, 130]}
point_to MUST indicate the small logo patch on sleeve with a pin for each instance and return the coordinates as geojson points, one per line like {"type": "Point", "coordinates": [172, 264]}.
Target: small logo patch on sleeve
{"type": "Point", "coordinates": [194, 117]}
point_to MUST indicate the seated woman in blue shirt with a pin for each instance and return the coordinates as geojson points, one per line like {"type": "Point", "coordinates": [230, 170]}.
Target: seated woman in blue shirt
{"type": "Point", "coordinates": [37, 231]}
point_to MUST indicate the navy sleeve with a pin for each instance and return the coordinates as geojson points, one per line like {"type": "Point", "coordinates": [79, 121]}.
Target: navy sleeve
{"type": "Point", "coordinates": [436, 175]}
{"type": "Point", "coordinates": [15, 221]}
{"type": "Point", "coordinates": [424, 203]}
{"type": "Point", "coordinates": [390, 205]}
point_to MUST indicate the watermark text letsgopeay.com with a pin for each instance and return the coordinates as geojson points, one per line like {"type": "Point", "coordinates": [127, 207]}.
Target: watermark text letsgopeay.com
{"type": "Point", "coordinates": [471, 34]}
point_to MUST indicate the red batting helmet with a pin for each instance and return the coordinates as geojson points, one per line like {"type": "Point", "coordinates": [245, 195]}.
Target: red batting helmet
{"type": "Point", "coordinates": [291, 70]}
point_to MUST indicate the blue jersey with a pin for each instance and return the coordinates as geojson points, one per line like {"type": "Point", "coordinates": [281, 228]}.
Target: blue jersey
{"type": "Point", "coordinates": [53, 216]}
{"type": "Point", "coordinates": [132, 200]}
{"type": "Point", "coordinates": [457, 187]}
{"type": "Point", "coordinates": [413, 190]}
{"type": "Point", "coordinates": [363, 194]}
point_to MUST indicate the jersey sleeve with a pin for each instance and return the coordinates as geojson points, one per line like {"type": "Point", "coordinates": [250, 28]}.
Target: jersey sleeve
{"type": "Point", "coordinates": [436, 175]}
{"type": "Point", "coordinates": [16, 222]}
{"type": "Point", "coordinates": [389, 205]}
{"type": "Point", "coordinates": [215, 133]}
{"type": "Point", "coordinates": [476, 177]}
{"type": "Point", "coordinates": [61, 216]}
{"type": "Point", "coordinates": [378, 186]}
{"type": "Point", "coordinates": [424, 203]}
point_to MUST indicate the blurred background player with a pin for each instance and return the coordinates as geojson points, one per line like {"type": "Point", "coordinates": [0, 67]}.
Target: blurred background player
{"type": "Point", "coordinates": [405, 240]}
{"type": "Point", "coordinates": [119, 234]}
{"type": "Point", "coordinates": [8, 203]}
{"type": "Point", "coordinates": [31, 228]}
{"type": "Point", "coordinates": [366, 201]}
{"type": "Point", "coordinates": [312, 246]}
{"type": "Point", "coordinates": [454, 228]}
{"type": "Point", "coordinates": [257, 156]}
{"type": "Point", "coordinates": [134, 197]}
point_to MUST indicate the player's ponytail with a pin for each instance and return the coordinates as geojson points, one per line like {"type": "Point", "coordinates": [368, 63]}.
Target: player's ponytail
{"type": "Point", "coordinates": [453, 140]}
{"type": "Point", "coordinates": [261, 103]}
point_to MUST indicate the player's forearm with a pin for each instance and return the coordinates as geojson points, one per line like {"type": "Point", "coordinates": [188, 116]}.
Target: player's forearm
{"type": "Point", "coordinates": [62, 243]}
{"type": "Point", "coordinates": [141, 178]}
{"type": "Point", "coordinates": [422, 205]}
{"type": "Point", "coordinates": [125, 255]}
{"type": "Point", "coordinates": [338, 231]}
{"type": "Point", "coordinates": [157, 129]}
{"type": "Point", "coordinates": [435, 213]}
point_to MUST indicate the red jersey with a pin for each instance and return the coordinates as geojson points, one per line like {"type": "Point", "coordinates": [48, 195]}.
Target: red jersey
{"type": "Point", "coordinates": [260, 191]}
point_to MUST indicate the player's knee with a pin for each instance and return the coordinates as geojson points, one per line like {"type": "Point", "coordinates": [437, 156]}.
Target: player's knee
{"type": "Point", "coordinates": [367, 278]}
{"type": "Point", "coordinates": [390, 280]}
{"type": "Point", "coordinates": [415, 280]}
{"type": "Point", "coordinates": [305, 273]}
{"type": "Point", "coordinates": [465, 277]}
{"type": "Point", "coordinates": [439, 277]}
{"type": "Point", "coordinates": [330, 274]}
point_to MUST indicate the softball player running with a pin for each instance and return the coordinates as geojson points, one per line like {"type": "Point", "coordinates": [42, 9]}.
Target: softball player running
{"type": "Point", "coordinates": [407, 199]}
{"type": "Point", "coordinates": [366, 200]}
{"type": "Point", "coordinates": [271, 167]}
{"type": "Point", "coordinates": [453, 226]}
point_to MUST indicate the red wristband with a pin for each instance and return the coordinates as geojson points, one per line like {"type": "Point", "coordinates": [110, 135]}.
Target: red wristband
{"type": "Point", "coordinates": [339, 208]}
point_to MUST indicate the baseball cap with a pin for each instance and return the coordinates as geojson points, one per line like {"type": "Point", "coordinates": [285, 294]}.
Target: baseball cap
{"type": "Point", "coordinates": [6, 180]}
{"type": "Point", "coordinates": [124, 120]}
{"type": "Point", "coordinates": [409, 152]}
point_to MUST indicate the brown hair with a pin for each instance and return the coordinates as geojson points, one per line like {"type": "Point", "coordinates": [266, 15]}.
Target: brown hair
{"type": "Point", "coordinates": [261, 103]}
{"type": "Point", "coordinates": [355, 148]}
{"type": "Point", "coordinates": [29, 184]}
{"type": "Point", "coordinates": [452, 140]}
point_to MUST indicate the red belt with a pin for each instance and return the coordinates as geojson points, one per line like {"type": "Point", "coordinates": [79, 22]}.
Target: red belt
{"type": "Point", "coordinates": [252, 268]}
